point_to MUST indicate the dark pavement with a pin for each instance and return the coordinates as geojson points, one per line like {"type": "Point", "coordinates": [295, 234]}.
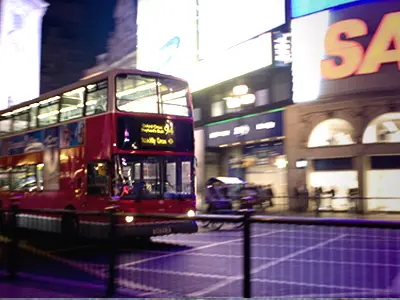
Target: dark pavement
{"type": "Point", "coordinates": [287, 261]}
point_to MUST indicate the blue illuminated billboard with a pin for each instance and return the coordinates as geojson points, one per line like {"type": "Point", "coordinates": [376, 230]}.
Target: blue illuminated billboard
{"type": "Point", "coordinates": [306, 7]}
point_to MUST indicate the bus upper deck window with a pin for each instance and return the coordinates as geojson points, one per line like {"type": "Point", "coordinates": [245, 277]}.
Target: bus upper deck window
{"type": "Point", "coordinates": [97, 95]}
{"type": "Point", "coordinates": [72, 104]}
{"type": "Point", "coordinates": [5, 125]}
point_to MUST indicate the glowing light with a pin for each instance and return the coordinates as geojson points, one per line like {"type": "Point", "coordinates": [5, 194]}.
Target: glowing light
{"type": "Point", "coordinates": [129, 219]}
{"type": "Point", "coordinates": [306, 64]}
{"type": "Point", "coordinates": [281, 163]}
{"type": "Point", "coordinates": [240, 90]}
{"type": "Point", "coordinates": [191, 213]}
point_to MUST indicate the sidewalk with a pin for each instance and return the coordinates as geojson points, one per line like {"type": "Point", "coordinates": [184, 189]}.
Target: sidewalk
{"type": "Point", "coordinates": [276, 211]}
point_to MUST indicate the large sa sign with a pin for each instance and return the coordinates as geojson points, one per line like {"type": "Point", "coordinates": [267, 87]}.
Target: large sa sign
{"type": "Point", "coordinates": [383, 48]}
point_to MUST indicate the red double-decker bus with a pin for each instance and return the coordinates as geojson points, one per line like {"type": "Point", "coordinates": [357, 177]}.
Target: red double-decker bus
{"type": "Point", "coordinates": [125, 135]}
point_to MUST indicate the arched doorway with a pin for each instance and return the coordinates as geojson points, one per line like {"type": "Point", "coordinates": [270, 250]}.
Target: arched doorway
{"type": "Point", "coordinates": [335, 176]}
{"type": "Point", "coordinates": [382, 176]}
{"type": "Point", "coordinates": [332, 132]}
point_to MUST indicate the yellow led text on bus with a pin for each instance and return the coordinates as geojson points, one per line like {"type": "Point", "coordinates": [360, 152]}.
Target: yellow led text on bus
{"type": "Point", "coordinates": [157, 141]}
{"type": "Point", "coordinates": [167, 129]}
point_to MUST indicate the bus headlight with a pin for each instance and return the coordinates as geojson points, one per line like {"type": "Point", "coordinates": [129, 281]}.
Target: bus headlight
{"type": "Point", "coordinates": [191, 213]}
{"type": "Point", "coordinates": [129, 219]}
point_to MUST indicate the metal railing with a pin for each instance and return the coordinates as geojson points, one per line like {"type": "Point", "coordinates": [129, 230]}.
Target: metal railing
{"type": "Point", "coordinates": [11, 230]}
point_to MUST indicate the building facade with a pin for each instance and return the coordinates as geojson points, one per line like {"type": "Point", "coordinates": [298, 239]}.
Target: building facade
{"type": "Point", "coordinates": [20, 50]}
{"type": "Point", "coordinates": [238, 74]}
{"type": "Point", "coordinates": [121, 49]}
{"type": "Point", "coordinates": [342, 134]}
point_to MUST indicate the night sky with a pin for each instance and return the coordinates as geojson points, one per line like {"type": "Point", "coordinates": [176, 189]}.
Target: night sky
{"type": "Point", "coordinates": [74, 32]}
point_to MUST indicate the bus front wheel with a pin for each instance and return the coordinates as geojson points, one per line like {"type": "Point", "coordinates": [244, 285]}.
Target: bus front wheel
{"type": "Point", "coordinates": [70, 224]}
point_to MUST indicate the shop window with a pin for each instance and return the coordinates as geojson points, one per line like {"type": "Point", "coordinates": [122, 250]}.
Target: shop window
{"type": "Point", "coordinates": [384, 129]}
{"type": "Point", "coordinates": [217, 109]}
{"type": "Point", "coordinates": [332, 132]}
{"type": "Point", "coordinates": [96, 102]}
{"type": "Point", "coordinates": [262, 97]}
{"type": "Point", "coordinates": [197, 114]}
{"type": "Point", "coordinates": [281, 92]}
{"type": "Point", "coordinates": [72, 104]}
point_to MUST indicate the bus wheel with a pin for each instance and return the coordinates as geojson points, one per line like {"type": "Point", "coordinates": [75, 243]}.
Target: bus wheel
{"type": "Point", "coordinates": [70, 225]}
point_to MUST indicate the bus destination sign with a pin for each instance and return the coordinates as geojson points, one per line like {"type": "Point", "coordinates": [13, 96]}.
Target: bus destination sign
{"type": "Point", "coordinates": [156, 134]}
{"type": "Point", "coordinates": [136, 133]}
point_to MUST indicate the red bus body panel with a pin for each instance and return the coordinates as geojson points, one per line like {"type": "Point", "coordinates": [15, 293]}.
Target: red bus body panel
{"type": "Point", "coordinates": [99, 145]}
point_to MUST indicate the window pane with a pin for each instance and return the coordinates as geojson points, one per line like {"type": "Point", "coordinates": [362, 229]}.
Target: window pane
{"type": "Point", "coordinates": [33, 116]}
{"type": "Point", "coordinates": [152, 180]}
{"type": "Point", "coordinates": [48, 111]}
{"type": "Point", "coordinates": [72, 104]}
{"type": "Point", "coordinates": [217, 109]}
{"type": "Point", "coordinates": [197, 114]}
{"type": "Point", "coordinates": [21, 122]}
{"type": "Point", "coordinates": [5, 126]}
{"type": "Point", "coordinates": [39, 170]}
{"type": "Point", "coordinates": [4, 180]}
{"type": "Point", "coordinates": [96, 102]}
{"type": "Point", "coordinates": [136, 94]}
{"type": "Point", "coordinates": [170, 185]}
{"type": "Point", "coordinates": [137, 172]}
{"type": "Point", "coordinates": [173, 95]}
{"type": "Point", "coordinates": [23, 178]}
{"type": "Point", "coordinates": [186, 177]}
{"type": "Point", "coordinates": [97, 179]}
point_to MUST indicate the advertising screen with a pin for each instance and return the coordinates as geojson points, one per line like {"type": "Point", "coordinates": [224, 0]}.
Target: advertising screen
{"type": "Point", "coordinates": [306, 7]}
{"type": "Point", "coordinates": [226, 23]}
{"type": "Point", "coordinates": [134, 133]}
{"type": "Point", "coordinates": [342, 51]}
{"type": "Point", "coordinates": [237, 61]}
{"type": "Point", "coordinates": [166, 31]}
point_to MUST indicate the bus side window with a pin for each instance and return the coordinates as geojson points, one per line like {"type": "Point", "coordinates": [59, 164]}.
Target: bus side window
{"type": "Point", "coordinates": [97, 179]}
{"type": "Point", "coordinates": [33, 115]}
{"type": "Point", "coordinates": [20, 122]}
{"type": "Point", "coordinates": [49, 111]}
{"type": "Point", "coordinates": [96, 101]}
{"type": "Point", "coordinates": [39, 176]}
{"type": "Point", "coordinates": [72, 104]}
{"type": "Point", "coordinates": [4, 179]}
{"type": "Point", "coordinates": [5, 126]}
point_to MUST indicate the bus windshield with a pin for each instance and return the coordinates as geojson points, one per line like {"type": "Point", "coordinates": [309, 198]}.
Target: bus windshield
{"type": "Point", "coordinates": [143, 94]}
{"type": "Point", "coordinates": [153, 177]}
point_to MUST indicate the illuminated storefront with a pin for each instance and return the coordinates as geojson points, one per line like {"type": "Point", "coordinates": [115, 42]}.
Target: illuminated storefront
{"type": "Point", "coordinates": [345, 123]}
{"type": "Point", "coordinates": [249, 147]}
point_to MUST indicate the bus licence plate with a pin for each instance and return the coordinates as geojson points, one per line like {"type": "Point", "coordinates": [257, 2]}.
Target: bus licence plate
{"type": "Point", "coordinates": [162, 230]}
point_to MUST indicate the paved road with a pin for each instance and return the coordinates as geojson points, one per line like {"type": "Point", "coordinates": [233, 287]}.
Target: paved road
{"type": "Point", "coordinates": [286, 261]}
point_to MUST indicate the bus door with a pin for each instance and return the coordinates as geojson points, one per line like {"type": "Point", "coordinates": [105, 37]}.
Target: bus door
{"type": "Point", "coordinates": [97, 186]}
{"type": "Point", "coordinates": [144, 184]}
